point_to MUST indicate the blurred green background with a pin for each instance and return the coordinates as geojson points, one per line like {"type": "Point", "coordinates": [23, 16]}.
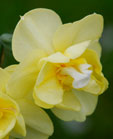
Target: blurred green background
{"type": "Point", "coordinates": [100, 124]}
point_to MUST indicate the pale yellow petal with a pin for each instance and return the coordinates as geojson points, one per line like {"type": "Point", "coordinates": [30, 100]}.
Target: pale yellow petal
{"type": "Point", "coordinates": [20, 125]}
{"type": "Point", "coordinates": [88, 28]}
{"type": "Point", "coordinates": [97, 84]}
{"type": "Point", "coordinates": [57, 58]}
{"type": "Point", "coordinates": [70, 102]}
{"type": "Point", "coordinates": [7, 124]}
{"type": "Point", "coordinates": [31, 134]}
{"type": "Point", "coordinates": [88, 103]}
{"type": "Point", "coordinates": [76, 50]}
{"type": "Point", "coordinates": [4, 77]}
{"type": "Point", "coordinates": [8, 102]}
{"type": "Point", "coordinates": [95, 45]}
{"type": "Point", "coordinates": [105, 83]}
{"type": "Point", "coordinates": [47, 71]}
{"type": "Point", "coordinates": [23, 79]}
{"type": "Point", "coordinates": [47, 87]}
{"type": "Point", "coordinates": [68, 115]}
{"type": "Point", "coordinates": [11, 117]}
{"type": "Point", "coordinates": [35, 30]}
{"type": "Point", "coordinates": [50, 91]}
{"type": "Point", "coordinates": [10, 69]}
{"type": "Point", "coordinates": [34, 134]}
{"type": "Point", "coordinates": [93, 59]}
{"type": "Point", "coordinates": [63, 37]}
{"type": "Point", "coordinates": [87, 100]}
{"type": "Point", "coordinates": [9, 109]}
{"type": "Point", "coordinates": [35, 117]}
{"type": "Point", "coordinates": [14, 135]}
{"type": "Point", "coordinates": [41, 103]}
{"type": "Point", "coordinates": [93, 86]}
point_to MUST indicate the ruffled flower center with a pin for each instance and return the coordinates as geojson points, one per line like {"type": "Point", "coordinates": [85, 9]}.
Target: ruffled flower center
{"type": "Point", "coordinates": [75, 74]}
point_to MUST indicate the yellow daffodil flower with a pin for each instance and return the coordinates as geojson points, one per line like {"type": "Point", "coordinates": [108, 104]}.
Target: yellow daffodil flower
{"type": "Point", "coordinates": [38, 124]}
{"type": "Point", "coordinates": [10, 116]}
{"type": "Point", "coordinates": [59, 63]}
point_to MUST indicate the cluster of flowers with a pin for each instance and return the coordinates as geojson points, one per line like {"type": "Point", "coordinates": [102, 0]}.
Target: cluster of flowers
{"type": "Point", "coordinates": [59, 69]}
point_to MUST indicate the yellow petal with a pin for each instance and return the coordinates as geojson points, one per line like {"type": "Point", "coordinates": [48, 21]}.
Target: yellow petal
{"type": "Point", "coordinates": [105, 83]}
{"type": "Point", "coordinates": [92, 87]}
{"type": "Point", "coordinates": [31, 134]}
{"type": "Point", "coordinates": [88, 103]}
{"type": "Point", "coordinates": [95, 45]}
{"type": "Point", "coordinates": [35, 30]}
{"type": "Point", "coordinates": [63, 37]}
{"type": "Point", "coordinates": [47, 87]}
{"type": "Point", "coordinates": [7, 137]}
{"type": "Point", "coordinates": [4, 76]}
{"type": "Point", "coordinates": [50, 91]}
{"type": "Point", "coordinates": [87, 100]}
{"type": "Point", "coordinates": [76, 50]}
{"type": "Point", "coordinates": [35, 117]}
{"type": "Point", "coordinates": [57, 58]}
{"type": "Point", "coordinates": [20, 126]}
{"type": "Point", "coordinates": [34, 134]}
{"type": "Point", "coordinates": [23, 79]}
{"type": "Point", "coordinates": [88, 28]}
{"type": "Point", "coordinates": [10, 69]}
{"type": "Point", "coordinates": [47, 71]}
{"type": "Point", "coordinates": [97, 84]}
{"type": "Point", "coordinates": [68, 115]}
{"type": "Point", "coordinates": [7, 124]}
{"type": "Point", "coordinates": [93, 59]}
{"type": "Point", "coordinates": [7, 102]}
{"type": "Point", "coordinates": [70, 102]}
{"type": "Point", "coordinates": [8, 117]}
{"type": "Point", "coordinates": [1, 114]}
{"type": "Point", "coordinates": [41, 103]}
{"type": "Point", "coordinates": [14, 135]}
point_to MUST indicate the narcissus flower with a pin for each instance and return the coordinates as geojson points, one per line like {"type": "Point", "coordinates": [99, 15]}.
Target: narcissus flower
{"type": "Point", "coordinates": [38, 124]}
{"type": "Point", "coordinates": [10, 116]}
{"type": "Point", "coordinates": [59, 63]}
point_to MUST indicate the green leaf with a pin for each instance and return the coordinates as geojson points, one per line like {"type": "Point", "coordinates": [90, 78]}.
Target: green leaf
{"type": "Point", "coordinates": [6, 56]}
